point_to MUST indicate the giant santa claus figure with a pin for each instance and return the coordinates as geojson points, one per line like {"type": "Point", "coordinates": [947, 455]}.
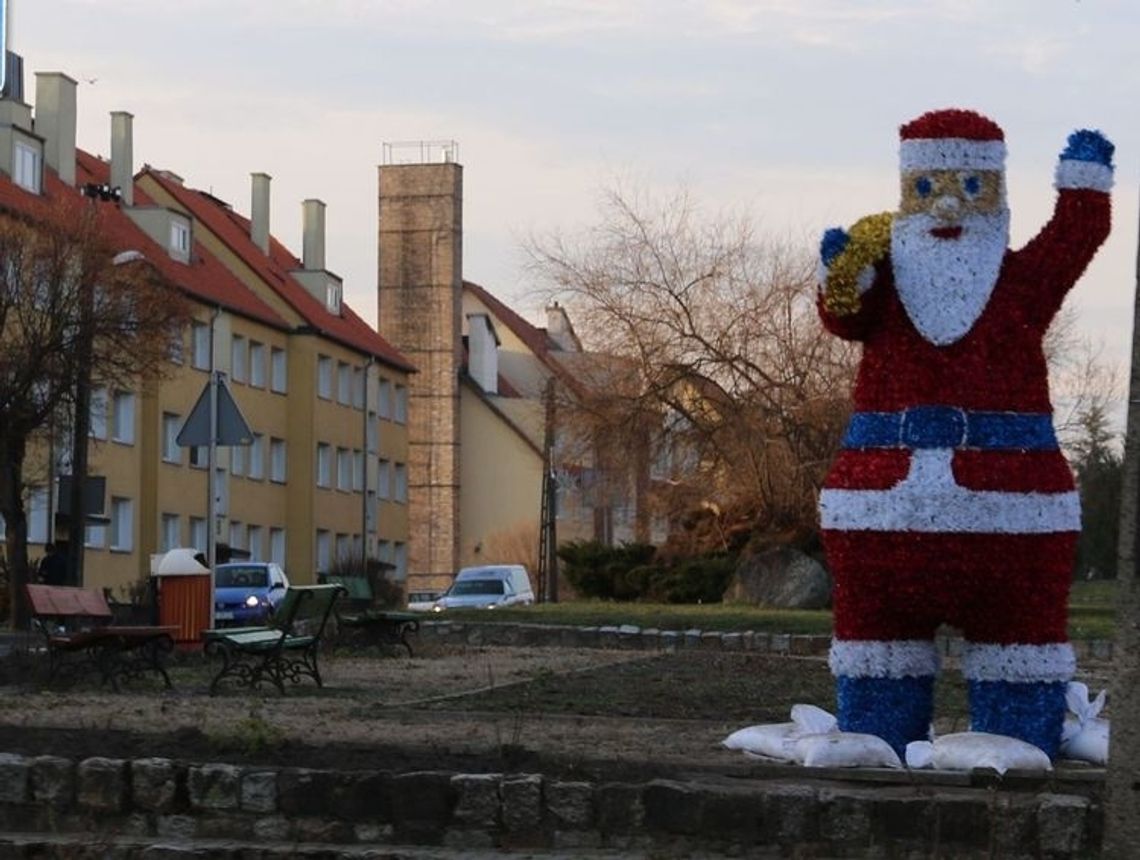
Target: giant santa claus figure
{"type": "Point", "coordinates": [949, 501]}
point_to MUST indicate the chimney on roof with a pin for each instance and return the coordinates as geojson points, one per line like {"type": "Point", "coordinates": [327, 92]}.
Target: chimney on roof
{"type": "Point", "coordinates": [313, 241]}
{"type": "Point", "coordinates": [259, 211]}
{"type": "Point", "coordinates": [560, 330]}
{"type": "Point", "coordinates": [55, 122]}
{"type": "Point", "coordinates": [123, 155]}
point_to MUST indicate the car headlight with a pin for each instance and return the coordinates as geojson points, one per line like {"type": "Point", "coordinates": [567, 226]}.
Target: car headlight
{"type": "Point", "coordinates": [253, 601]}
{"type": "Point", "coordinates": [437, 608]}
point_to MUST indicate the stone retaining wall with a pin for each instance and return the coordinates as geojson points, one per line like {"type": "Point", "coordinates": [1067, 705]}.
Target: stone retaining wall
{"type": "Point", "coordinates": [651, 639]}
{"type": "Point", "coordinates": [170, 800]}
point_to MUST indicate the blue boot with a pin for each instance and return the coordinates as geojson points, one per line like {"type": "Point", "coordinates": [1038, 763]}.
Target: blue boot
{"type": "Point", "coordinates": [898, 710]}
{"type": "Point", "coordinates": [1033, 711]}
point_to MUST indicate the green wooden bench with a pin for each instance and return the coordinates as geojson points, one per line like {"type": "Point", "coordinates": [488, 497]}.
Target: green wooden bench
{"type": "Point", "coordinates": [377, 626]}
{"type": "Point", "coordinates": [286, 649]}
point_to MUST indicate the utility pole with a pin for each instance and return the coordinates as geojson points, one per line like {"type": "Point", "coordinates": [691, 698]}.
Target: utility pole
{"type": "Point", "coordinates": [1122, 812]}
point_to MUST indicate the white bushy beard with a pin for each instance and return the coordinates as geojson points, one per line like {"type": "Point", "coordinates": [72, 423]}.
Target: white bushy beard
{"type": "Point", "coordinates": [945, 284]}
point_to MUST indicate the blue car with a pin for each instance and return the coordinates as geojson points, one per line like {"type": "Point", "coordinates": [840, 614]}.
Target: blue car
{"type": "Point", "coordinates": [247, 592]}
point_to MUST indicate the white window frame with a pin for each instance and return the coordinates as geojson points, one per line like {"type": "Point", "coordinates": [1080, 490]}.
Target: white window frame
{"type": "Point", "coordinates": [278, 371]}
{"type": "Point", "coordinates": [324, 377]}
{"type": "Point", "coordinates": [400, 413]}
{"type": "Point", "coordinates": [171, 536]}
{"type": "Point", "coordinates": [344, 383]}
{"type": "Point", "coordinates": [277, 545]}
{"type": "Point", "coordinates": [255, 542]}
{"type": "Point", "coordinates": [358, 379]}
{"type": "Point", "coordinates": [122, 524]}
{"type": "Point", "coordinates": [257, 458]}
{"type": "Point", "coordinates": [256, 364]}
{"type": "Point", "coordinates": [400, 482]}
{"type": "Point", "coordinates": [123, 418]}
{"type": "Point", "coordinates": [278, 461]}
{"type": "Point", "coordinates": [37, 515]}
{"type": "Point", "coordinates": [384, 399]}
{"type": "Point", "coordinates": [237, 460]}
{"type": "Point", "coordinates": [27, 166]}
{"type": "Point", "coordinates": [357, 471]}
{"type": "Point", "coordinates": [239, 357]}
{"type": "Point", "coordinates": [180, 238]}
{"type": "Point", "coordinates": [237, 534]}
{"type": "Point", "coordinates": [171, 450]}
{"type": "Point", "coordinates": [323, 550]}
{"type": "Point", "coordinates": [198, 534]}
{"type": "Point", "coordinates": [200, 346]}
{"type": "Point", "coordinates": [324, 465]}
{"type": "Point", "coordinates": [343, 469]}
{"type": "Point", "coordinates": [98, 412]}
{"type": "Point", "coordinates": [384, 479]}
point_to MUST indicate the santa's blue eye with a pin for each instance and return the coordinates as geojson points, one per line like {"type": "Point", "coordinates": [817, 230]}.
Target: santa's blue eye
{"type": "Point", "coordinates": [923, 186]}
{"type": "Point", "coordinates": [971, 185]}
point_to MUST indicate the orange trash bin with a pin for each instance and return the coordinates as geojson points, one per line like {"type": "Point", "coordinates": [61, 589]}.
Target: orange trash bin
{"type": "Point", "coordinates": [184, 595]}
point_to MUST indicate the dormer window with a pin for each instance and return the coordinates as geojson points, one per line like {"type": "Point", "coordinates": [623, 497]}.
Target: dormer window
{"type": "Point", "coordinates": [332, 297]}
{"type": "Point", "coordinates": [27, 166]}
{"type": "Point", "coordinates": [180, 239]}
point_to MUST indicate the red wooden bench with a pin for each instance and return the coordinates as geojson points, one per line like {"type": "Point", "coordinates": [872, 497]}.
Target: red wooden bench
{"type": "Point", "coordinates": [78, 635]}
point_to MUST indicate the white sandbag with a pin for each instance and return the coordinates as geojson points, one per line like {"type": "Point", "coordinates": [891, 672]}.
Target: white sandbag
{"type": "Point", "coordinates": [774, 741]}
{"type": "Point", "coordinates": [969, 750]}
{"type": "Point", "coordinates": [1085, 735]}
{"type": "Point", "coordinates": [811, 720]}
{"type": "Point", "coordinates": [845, 749]}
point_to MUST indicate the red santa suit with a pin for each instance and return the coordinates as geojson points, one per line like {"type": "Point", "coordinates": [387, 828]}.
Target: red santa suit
{"type": "Point", "coordinates": [950, 501]}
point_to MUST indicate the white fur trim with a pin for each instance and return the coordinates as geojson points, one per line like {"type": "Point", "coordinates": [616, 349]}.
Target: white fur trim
{"type": "Point", "coordinates": [914, 658]}
{"type": "Point", "coordinates": [951, 153]}
{"type": "Point", "coordinates": [929, 501]}
{"type": "Point", "coordinates": [1083, 175]}
{"type": "Point", "coordinates": [1020, 664]}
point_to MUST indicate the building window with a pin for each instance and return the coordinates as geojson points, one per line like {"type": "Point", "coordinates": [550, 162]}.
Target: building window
{"type": "Point", "coordinates": [372, 433]}
{"type": "Point", "coordinates": [200, 456]}
{"type": "Point", "coordinates": [384, 479]}
{"type": "Point", "coordinates": [257, 457]}
{"type": "Point", "coordinates": [401, 409]}
{"type": "Point", "coordinates": [171, 532]}
{"type": "Point", "coordinates": [278, 374]}
{"type": "Point", "coordinates": [324, 465]}
{"type": "Point", "coordinates": [344, 383]}
{"type": "Point", "coordinates": [400, 559]}
{"type": "Point", "coordinates": [98, 429]}
{"type": "Point", "coordinates": [324, 549]}
{"type": "Point", "coordinates": [237, 460]}
{"type": "Point", "coordinates": [171, 452]}
{"type": "Point", "coordinates": [384, 400]}
{"type": "Point", "coordinates": [400, 490]}
{"type": "Point", "coordinates": [343, 469]}
{"type": "Point", "coordinates": [123, 425]}
{"type": "Point", "coordinates": [324, 377]}
{"type": "Point", "coordinates": [198, 538]}
{"type": "Point", "coordinates": [237, 535]}
{"type": "Point", "coordinates": [255, 543]}
{"type": "Point", "coordinates": [277, 460]}
{"type": "Point", "coordinates": [277, 546]}
{"type": "Point", "coordinates": [26, 167]}
{"type": "Point", "coordinates": [122, 525]}
{"type": "Point", "coordinates": [358, 387]}
{"type": "Point", "coordinates": [238, 356]}
{"type": "Point", "coordinates": [180, 239]}
{"type": "Point", "coordinates": [176, 351]}
{"type": "Point", "coordinates": [95, 536]}
{"type": "Point", "coordinates": [200, 346]}
{"type": "Point", "coordinates": [384, 550]}
{"type": "Point", "coordinates": [343, 547]}
{"type": "Point", "coordinates": [332, 297]}
{"type": "Point", "coordinates": [38, 515]}
{"type": "Point", "coordinates": [256, 364]}
{"type": "Point", "coordinates": [358, 471]}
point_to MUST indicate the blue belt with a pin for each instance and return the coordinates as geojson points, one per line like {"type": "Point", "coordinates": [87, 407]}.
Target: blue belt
{"type": "Point", "coordinates": [948, 427]}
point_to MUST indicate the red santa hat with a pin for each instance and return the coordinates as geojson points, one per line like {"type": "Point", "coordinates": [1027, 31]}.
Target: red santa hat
{"type": "Point", "coordinates": [951, 140]}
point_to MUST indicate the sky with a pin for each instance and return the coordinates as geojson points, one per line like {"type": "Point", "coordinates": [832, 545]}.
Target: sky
{"type": "Point", "coordinates": [786, 110]}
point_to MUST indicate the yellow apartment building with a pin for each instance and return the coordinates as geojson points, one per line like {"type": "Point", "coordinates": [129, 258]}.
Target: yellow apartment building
{"type": "Point", "coordinates": [324, 394]}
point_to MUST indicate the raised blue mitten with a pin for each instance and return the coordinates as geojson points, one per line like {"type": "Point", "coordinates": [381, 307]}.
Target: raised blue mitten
{"type": "Point", "coordinates": [832, 244]}
{"type": "Point", "coordinates": [1089, 145]}
{"type": "Point", "coordinates": [1086, 163]}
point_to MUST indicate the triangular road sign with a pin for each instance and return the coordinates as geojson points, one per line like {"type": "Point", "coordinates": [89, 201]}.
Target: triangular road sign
{"type": "Point", "coordinates": [232, 428]}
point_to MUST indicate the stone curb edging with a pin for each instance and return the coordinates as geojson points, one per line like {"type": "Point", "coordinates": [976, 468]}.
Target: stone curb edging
{"type": "Point", "coordinates": [166, 799]}
{"type": "Point", "coordinates": [631, 637]}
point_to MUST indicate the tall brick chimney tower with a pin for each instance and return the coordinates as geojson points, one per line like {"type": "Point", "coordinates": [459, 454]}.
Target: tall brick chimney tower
{"type": "Point", "coordinates": [420, 304]}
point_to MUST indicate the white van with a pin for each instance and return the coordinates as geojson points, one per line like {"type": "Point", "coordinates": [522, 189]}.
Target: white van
{"type": "Point", "coordinates": [488, 586]}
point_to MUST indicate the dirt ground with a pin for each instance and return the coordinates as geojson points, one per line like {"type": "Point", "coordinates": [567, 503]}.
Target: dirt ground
{"type": "Point", "coordinates": [558, 711]}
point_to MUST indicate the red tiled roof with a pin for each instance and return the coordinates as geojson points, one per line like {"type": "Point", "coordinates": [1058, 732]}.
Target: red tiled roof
{"type": "Point", "coordinates": [274, 270]}
{"type": "Point", "coordinates": [204, 278]}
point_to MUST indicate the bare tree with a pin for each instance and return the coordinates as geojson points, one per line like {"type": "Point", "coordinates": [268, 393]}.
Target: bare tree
{"type": "Point", "coordinates": [717, 338]}
{"type": "Point", "coordinates": [52, 267]}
